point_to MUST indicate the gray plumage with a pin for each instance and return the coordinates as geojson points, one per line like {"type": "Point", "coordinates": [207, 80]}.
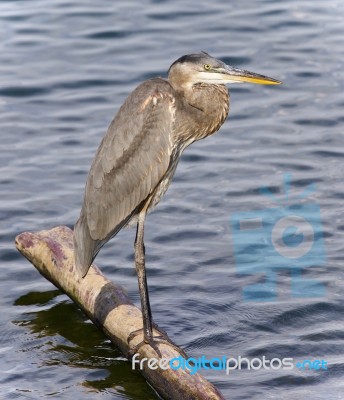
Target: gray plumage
{"type": "Point", "coordinates": [131, 160]}
{"type": "Point", "coordinates": [137, 158]}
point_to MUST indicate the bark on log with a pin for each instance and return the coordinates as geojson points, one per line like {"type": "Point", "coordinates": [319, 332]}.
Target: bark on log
{"type": "Point", "coordinates": [110, 308]}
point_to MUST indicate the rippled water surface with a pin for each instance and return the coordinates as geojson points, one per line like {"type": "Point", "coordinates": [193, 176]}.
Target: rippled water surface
{"type": "Point", "coordinates": [65, 68]}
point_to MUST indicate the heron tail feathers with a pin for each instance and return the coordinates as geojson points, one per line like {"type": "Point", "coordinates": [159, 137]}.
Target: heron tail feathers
{"type": "Point", "coordinates": [84, 246]}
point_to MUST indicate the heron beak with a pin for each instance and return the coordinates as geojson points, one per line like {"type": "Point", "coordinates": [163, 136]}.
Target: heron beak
{"type": "Point", "coordinates": [232, 74]}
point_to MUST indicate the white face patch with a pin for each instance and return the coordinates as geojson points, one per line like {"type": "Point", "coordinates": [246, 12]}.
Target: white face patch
{"type": "Point", "coordinates": [213, 77]}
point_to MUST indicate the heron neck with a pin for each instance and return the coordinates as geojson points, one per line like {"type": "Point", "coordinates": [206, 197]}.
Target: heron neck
{"type": "Point", "coordinates": [208, 107]}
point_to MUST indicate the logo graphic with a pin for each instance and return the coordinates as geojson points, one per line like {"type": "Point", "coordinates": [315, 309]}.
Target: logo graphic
{"type": "Point", "coordinates": [287, 237]}
{"type": "Point", "coordinates": [228, 364]}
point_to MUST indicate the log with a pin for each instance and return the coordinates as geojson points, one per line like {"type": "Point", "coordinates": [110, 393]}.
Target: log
{"type": "Point", "coordinates": [110, 308]}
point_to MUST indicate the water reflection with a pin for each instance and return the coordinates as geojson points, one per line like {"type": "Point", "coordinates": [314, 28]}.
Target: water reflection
{"type": "Point", "coordinates": [61, 335]}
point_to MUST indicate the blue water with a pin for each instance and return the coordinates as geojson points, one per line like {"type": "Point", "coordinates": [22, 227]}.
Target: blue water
{"type": "Point", "coordinates": [65, 68]}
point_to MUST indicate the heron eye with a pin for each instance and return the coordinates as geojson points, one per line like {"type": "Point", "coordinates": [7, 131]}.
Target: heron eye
{"type": "Point", "coordinates": [207, 67]}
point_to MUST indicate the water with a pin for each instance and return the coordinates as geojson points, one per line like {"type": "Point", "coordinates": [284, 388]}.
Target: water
{"type": "Point", "coordinates": [66, 67]}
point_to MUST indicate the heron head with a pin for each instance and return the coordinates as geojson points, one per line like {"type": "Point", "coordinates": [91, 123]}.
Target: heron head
{"type": "Point", "coordinates": [202, 68]}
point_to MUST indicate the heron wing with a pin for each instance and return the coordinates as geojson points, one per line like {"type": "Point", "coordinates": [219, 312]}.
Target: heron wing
{"type": "Point", "coordinates": [132, 158]}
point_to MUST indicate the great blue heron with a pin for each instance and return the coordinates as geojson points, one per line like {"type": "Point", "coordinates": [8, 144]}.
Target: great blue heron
{"type": "Point", "coordinates": [138, 156]}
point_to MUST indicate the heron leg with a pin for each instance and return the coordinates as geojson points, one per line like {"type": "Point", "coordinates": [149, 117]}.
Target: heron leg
{"type": "Point", "coordinates": [142, 279]}
{"type": "Point", "coordinates": [148, 325]}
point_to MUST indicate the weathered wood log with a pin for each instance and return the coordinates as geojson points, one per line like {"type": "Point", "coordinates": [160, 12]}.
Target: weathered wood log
{"type": "Point", "coordinates": [110, 308]}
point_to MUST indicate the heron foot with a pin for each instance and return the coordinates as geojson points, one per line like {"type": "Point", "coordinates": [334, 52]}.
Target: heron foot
{"type": "Point", "coordinates": [153, 342]}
